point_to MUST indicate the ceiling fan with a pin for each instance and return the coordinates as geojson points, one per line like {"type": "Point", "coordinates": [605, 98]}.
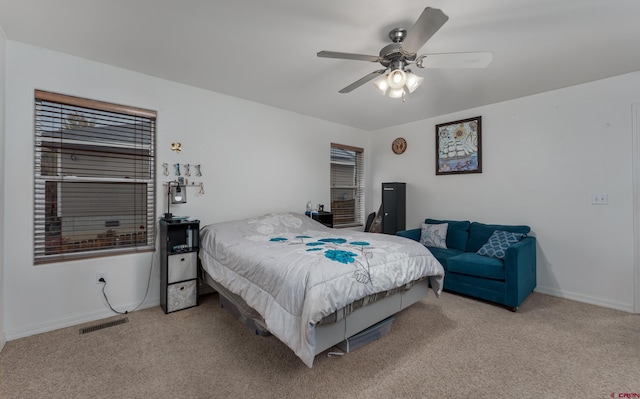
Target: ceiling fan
{"type": "Point", "coordinates": [397, 56]}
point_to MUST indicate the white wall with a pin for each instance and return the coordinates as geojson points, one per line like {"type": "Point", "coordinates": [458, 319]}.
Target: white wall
{"type": "Point", "coordinates": [255, 159]}
{"type": "Point", "coordinates": [543, 158]}
{"type": "Point", "coordinates": [3, 42]}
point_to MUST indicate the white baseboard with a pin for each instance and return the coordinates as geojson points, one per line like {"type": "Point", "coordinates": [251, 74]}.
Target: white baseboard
{"type": "Point", "coordinates": [72, 321]}
{"type": "Point", "coordinates": [626, 307]}
{"type": "Point", "coordinates": [3, 340]}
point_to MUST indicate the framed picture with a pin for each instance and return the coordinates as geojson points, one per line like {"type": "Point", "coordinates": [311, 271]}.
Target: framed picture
{"type": "Point", "coordinates": [458, 147]}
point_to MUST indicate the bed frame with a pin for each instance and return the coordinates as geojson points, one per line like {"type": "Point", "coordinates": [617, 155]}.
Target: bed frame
{"type": "Point", "coordinates": [330, 334]}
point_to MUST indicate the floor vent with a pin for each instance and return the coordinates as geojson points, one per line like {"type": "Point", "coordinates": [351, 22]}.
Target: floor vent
{"type": "Point", "coordinates": [103, 325]}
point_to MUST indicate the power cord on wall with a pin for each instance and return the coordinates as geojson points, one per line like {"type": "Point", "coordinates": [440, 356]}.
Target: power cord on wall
{"type": "Point", "coordinates": [104, 285]}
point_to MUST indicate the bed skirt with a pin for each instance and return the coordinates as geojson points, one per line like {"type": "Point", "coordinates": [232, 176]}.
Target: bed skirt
{"type": "Point", "coordinates": [340, 325]}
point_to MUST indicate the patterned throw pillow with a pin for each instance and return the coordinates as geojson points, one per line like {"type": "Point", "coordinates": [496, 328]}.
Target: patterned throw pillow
{"type": "Point", "coordinates": [434, 235]}
{"type": "Point", "coordinates": [496, 246]}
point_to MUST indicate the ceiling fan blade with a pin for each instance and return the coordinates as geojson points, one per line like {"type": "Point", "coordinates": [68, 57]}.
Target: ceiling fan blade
{"type": "Point", "coordinates": [362, 81]}
{"type": "Point", "coordinates": [426, 26]}
{"type": "Point", "coordinates": [480, 59]}
{"type": "Point", "coordinates": [348, 56]}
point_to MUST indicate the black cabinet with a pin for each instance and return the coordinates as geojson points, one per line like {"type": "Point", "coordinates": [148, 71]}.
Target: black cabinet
{"type": "Point", "coordinates": [394, 208]}
{"type": "Point", "coordinates": [180, 242]}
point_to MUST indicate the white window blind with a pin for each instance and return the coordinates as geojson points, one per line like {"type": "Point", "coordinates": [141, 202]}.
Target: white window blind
{"type": "Point", "coordinates": [94, 178]}
{"type": "Point", "coordinates": [347, 185]}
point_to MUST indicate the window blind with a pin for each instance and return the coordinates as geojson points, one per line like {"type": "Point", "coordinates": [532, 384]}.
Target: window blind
{"type": "Point", "coordinates": [94, 178]}
{"type": "Point", "coordinates": [347, 185]}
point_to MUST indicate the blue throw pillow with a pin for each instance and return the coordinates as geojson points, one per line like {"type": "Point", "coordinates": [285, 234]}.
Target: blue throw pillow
{"type": "Point", "coordinates": [496, 246]}
{"type": "Point", "coordinates": [479, 233]}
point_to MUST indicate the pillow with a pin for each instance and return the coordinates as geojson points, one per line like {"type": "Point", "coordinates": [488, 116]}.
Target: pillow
{"type": "Point", "coordinates": [457, 232]}
{"type": "Point", "coordinates": [479, 233]}
{"type": "Point", "coordinates": [434, 235]}
{"type": "Point", "coordinates": [496, 246]}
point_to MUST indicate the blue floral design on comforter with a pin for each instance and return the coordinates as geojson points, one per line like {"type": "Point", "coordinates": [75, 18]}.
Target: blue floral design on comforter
{"type": "Point", "coordinates": [333, 250]}
{"type": "Point", "coordinates": [340, 255]}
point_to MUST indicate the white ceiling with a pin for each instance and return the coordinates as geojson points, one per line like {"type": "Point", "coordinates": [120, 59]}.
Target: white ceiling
{"type": "Point", "coordinates": [265, 51]}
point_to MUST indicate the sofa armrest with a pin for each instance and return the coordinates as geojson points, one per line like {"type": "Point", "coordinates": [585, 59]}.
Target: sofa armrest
{"type": "Point", "coordinates": [414, 234]}
{"type": "Point", "coordinates": [520, 271]}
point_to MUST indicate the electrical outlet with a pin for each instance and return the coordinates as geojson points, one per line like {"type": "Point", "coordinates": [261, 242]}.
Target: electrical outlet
{"type": "Point", "coordinates": [599, 199]}
{"type": "Point", "coordinates": [100, 275]}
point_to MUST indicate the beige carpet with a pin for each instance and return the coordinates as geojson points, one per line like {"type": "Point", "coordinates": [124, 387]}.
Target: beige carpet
{"type": "Point", "coordinates": [452, 347]}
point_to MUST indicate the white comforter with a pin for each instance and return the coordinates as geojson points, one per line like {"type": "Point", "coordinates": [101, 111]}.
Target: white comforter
{"type": "Point", "coordinates": [294, 271]}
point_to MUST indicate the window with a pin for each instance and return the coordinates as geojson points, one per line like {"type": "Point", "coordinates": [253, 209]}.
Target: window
{"type": "Point", "coordinates": [94, 178]}
{"type": "Point", "coordinates": [347, 185]}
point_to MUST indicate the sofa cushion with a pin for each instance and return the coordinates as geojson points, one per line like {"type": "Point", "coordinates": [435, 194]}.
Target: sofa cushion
{"type": "Point", "coordinates": [473, 264]}
{"type": "Point", "coordinates": [457, 232]}
{"type": "Point", "coordinates": [479, 233]}
{"type": "Point", "coordinates": [434, 235]}
{"type": "Point", "coordinates": [443, 254]}
{"type": "Point", "coordinates": [500, 240]}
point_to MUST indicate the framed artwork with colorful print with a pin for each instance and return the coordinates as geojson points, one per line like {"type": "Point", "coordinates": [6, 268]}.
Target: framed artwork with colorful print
{"type": "Point", "coordinates": [459, 147]}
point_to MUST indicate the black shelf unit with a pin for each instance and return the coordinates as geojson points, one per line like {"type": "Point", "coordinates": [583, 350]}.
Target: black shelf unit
{"type": "Point", "coordinates": [180, 242]}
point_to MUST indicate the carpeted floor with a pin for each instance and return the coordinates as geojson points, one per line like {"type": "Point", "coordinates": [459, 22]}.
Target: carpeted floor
{"type": "Point", "coordinates": [451, 347]}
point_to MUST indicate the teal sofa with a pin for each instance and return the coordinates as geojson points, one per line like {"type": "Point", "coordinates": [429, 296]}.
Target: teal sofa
{"type": "Point", "coordinates": [506, 281]}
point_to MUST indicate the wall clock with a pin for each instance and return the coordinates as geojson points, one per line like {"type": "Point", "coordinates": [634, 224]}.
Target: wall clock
{"type": "Point", "coordinates": [399, 145]}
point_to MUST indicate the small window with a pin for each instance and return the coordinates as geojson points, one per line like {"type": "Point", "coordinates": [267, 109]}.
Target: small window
{"type": "Point", "coordinates": [347, 185]}
{"type": "Point", "coordinates": [94, 178]}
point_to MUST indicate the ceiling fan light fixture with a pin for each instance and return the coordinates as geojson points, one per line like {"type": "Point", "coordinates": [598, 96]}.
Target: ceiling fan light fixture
{"type": "Point", "coordinates": [381, 84]}
{"type": "Point", "coordinates": [397, 79]}
{"type": "Point", "coordinates": [398, 83]}
{"type": "Point", "coordinates": [413, 81]}
{"type": "Point", "coordinates": [396, 93]}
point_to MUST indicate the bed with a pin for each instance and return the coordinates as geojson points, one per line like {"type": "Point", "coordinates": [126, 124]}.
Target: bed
{"type": "Point", "coordinates": [312, 286]}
